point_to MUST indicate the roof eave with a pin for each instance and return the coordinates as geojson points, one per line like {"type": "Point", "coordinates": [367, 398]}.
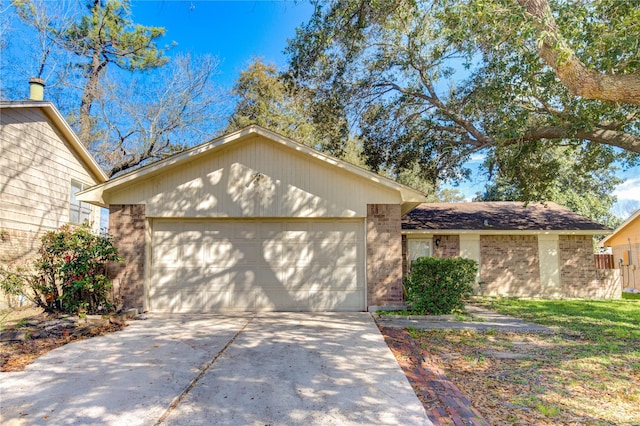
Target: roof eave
{"type": "Point", "coordinates": [626, 223]}
{"type": "Point", "coordinates": [52, 113]}
{"type": "Point", "coordinates": [506, 231]}
{"type": "Point", "coordinates": [410, 198]}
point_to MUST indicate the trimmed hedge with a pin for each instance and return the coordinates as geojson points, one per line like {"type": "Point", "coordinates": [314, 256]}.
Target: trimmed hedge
{"type": "Point", "coordinates": [439, 286]}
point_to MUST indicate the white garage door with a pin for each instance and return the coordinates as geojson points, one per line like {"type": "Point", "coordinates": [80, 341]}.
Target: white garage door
{"type": "Point", "coordinates": [247, 265]}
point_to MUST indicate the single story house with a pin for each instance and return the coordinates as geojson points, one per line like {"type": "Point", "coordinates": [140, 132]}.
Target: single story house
{"type": "Point", "coordinates": [528, 250]}
{"type": "Point", "coordinates": [625, 245]}
{"type": "Point", "coordinates": [43, 165]}
{"type": "Point", "coordinates": [256, 221]}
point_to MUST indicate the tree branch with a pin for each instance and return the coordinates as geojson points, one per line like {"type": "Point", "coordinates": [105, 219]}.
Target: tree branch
{"type": "Point", "coordinates": [579, 80]}
{"type": "Point", "coordinates": [599, 135]}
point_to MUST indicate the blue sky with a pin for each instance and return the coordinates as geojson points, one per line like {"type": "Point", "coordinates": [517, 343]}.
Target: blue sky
{"type": "Point", "coordinates": [237, 31]}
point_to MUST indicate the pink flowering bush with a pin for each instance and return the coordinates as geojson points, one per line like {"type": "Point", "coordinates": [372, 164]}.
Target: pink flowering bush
{"type": "Point", "coordinates": [69, 272]}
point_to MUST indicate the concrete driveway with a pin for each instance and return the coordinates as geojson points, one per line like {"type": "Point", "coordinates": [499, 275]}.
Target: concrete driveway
{"type": "Point", "coordinates": [267, 369]}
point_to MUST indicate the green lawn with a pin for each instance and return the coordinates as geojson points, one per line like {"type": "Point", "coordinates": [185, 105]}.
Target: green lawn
{"type": "Point", "coordinates": [601, 321]}
{"type": "Point", "coordinates": [588, 373]}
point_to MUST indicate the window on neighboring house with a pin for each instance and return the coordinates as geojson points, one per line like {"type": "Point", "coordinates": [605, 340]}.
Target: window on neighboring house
{"type": "Point", "coordinates": [78, 211]}
{"type": "Point", "coordinates": [418, 248]}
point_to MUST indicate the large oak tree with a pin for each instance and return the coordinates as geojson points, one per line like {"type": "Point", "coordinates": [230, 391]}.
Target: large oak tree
{"type": "Point", "coordinates": [437, 81]}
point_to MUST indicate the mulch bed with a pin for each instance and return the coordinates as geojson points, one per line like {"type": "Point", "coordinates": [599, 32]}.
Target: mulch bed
{"type": "Point", "coordinates": [31, 337]}
{"type": "Point", "coordinates": [443, 401]}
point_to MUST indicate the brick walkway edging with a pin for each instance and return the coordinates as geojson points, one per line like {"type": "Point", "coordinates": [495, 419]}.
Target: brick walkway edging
{"type": "Point", "coordinates": [443, 401]}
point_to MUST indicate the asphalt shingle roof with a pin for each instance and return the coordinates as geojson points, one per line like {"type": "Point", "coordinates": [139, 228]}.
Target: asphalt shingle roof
{"type": "Point", "coordinates": [497, 215]}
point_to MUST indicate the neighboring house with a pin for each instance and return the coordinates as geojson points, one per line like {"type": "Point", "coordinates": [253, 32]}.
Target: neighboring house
{"type": "Point", "coordinates": [42, 166]}
{"type": "Point", "coordinates": [255, 221]}
{"type": "Point", "coordinates": [625, 245]}
{"type": "Point", "coordinates": [534, 250]}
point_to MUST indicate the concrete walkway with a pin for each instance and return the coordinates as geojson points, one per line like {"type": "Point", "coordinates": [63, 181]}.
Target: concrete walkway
{"type": "Point", "coordinates": [274, 368]}
{"type": "Point", "coordinates": [482, 320]}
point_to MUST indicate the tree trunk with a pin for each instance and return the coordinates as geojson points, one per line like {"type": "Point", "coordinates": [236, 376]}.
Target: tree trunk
{"type": "Point", "coordinates": [88, 96]}
{"type": "Point", "coordinates": [578, 79]}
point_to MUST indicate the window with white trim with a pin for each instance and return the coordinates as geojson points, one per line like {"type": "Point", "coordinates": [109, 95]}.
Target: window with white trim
{"type": "Point", "coordinates": [418, 247]}
{"type": "Point", "coordinates": [78, 211]}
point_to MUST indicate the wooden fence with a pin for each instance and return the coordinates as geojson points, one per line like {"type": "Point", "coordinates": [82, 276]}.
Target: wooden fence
{"type": "Point", "coordinates": [604, 261]}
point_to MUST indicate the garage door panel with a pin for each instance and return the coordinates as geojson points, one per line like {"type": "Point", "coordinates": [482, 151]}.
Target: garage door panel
{"type": "Point", "coordinates": [221, 253]}
{"type": "Point", "coordinates": [166, 255]}
{"type": "Point", "coordinates": [335, 300]}
{"type": "Point", "coordinates": [166, 299]}
{"type": "Point", "coordinates": [216, 301]}
{"type": "Point", "coordinates": [343, 278]}
{"type": "Point", "coordinates": [226, 265]}
{"type": "Point", "coordinates": [190, 301]}
{"type": "Point", "coordinates": [166, 276]}
{"type": "Point", "coordinates": [246, 252]}
{"type": "Point", "coordinates": [308, 278]}
{"type": "Point", "coordinates": [245, 230]}
{"type": "Point", "coordinates": [270, 230]}
{"type": "Point", "coordinates": [272, 252]}
{"type": "Point", "coordinates": [191, 254]}
{"type": "Point", "coordinates": [216, 277]}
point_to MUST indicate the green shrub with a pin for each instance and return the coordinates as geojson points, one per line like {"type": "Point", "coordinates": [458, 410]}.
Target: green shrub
{"type": "Point", "coordinates": [438, 286]}
{"type": "Point", "coordinates": [70, 272]}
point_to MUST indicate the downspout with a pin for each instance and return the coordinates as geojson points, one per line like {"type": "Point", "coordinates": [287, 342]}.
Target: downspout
{"type": "Point", "coordinates": [631, 263]}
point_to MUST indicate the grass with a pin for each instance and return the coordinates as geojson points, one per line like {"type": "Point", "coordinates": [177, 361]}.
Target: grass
{"type": "Point", "coordinates": [595, 356]}
{"type": "Point", "coordinates": [596, 320]}
{"type": "Point", "coordinates": [631, 296]}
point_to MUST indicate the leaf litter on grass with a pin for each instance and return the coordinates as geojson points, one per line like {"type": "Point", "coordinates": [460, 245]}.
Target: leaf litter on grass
{"type": "Point", "coordinates": [536, 379]}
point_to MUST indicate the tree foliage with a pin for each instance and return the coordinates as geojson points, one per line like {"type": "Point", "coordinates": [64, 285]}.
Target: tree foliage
{"type": "Point", "coordinates": [128, 100]}
{"type": "Point", "coordinates": [577, 179]}
{"type": "Point", "coordinates": [266, 97]}
{"type": "Point", "coordinates": [104, 36]}
{"type": "Point", "coordinates": [269, 98]}
{"type": "Point", "coordinates": [69, 274]}
{"type": "Point", "coordinates": [432, 82]}
{"type": "Point", "coordinates": [141, 118]}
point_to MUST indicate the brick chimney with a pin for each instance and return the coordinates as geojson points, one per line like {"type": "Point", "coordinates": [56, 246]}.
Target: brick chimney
{"type": "Point", "coordinates": [36, 89]}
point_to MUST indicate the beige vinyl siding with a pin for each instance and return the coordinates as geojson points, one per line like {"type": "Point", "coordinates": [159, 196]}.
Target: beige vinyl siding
{"type": "Point", "coordinates": [36, 169]}
{"type": "Point", "coordinates": [224, 184]}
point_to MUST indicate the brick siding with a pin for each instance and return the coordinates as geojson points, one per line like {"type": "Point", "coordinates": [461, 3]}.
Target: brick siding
{"type": "Point", "coordinates": [578, 274]}
{"type": "Point", "coordinates": [446, 246]}
{"type": "Point", "coordinates": [19, 247]}
{"type": "Point", "coordinates": [384, 255]}
{"type": "Point", "coordinates": [509, 265]}
{"type": "Point", "coordinates": [127, 223]}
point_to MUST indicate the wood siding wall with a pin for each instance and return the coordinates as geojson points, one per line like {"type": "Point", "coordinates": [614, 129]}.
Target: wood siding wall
{"type": "Point", "coordinates": [255, 178]}
{"type": "Point", "coordinates": [36, 169]}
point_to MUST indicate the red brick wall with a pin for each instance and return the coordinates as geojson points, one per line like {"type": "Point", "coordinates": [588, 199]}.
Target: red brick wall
{"type": "Point", "coordinates": [384, 255]}
{"type": "Point", "coordinates": [446, 246]}
{"type": "Point", "coordinates": [578, 274]}
{"type": "Point", "coordinates": [509, 265]}
{"type": "Point", "coordinates": [19, 247]}
{"type": "Point", "coordinates": [127, 224]}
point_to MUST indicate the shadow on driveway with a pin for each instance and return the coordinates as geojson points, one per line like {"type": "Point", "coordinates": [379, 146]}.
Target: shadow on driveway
{"type": "Point", "coordinates": [274, 368]}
